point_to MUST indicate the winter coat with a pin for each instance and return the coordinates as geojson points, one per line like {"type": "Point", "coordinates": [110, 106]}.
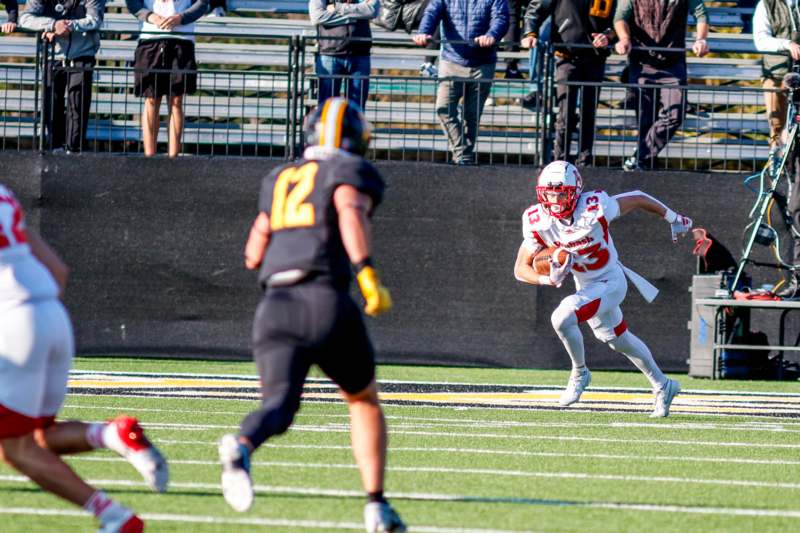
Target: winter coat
{"type": "Point", "coordinates": [464, 20]}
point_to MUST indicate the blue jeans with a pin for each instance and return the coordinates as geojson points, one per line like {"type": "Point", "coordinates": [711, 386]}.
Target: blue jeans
{"type": "Point", "coordinates": [333, 70]}
{"type": "Point", "coordinates": [536, 58]}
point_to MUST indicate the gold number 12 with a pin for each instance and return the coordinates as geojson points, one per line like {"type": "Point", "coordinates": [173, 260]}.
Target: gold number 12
{"type": "Point", "coordinates": [289, 208]}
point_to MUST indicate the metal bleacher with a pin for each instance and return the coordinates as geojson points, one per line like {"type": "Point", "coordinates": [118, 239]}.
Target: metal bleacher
{"type": "Point", "coordinates": [243, 98]}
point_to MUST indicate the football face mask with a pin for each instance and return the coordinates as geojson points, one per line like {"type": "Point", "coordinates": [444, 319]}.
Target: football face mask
{"type": "Point", "coordinates": [558, 188]}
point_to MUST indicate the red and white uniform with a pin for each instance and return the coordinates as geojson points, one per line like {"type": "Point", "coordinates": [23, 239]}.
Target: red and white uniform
{"type": "Point", "coordinates": [36, 341]}
{"type": "Point", "coordinates": [599, 277]}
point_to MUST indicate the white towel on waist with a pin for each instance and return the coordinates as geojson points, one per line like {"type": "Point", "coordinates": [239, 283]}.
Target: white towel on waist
{"type": "Point", "coordinates": [645, 288]}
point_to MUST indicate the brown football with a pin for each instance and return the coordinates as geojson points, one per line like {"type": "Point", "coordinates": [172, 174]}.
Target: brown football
{"type": "Point", "coordinates": [541, 261]}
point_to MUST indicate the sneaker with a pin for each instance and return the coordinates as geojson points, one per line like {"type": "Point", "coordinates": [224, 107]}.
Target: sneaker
{"type": "Point", "coordinates": [428, 70]}
{"type": "Point", "coordinates": [664, 398]}
{"type": "Point", "coordinates": [513, 73]}
{"type": "Point", "coordinates": [631, 164]}
{"type": "Point", "coordinates": [125, 436]}
{"type": "Point", "coordinates": [120, 520]}
{"type": "Point", "coordinates": [531, 101]}
{"type": "Point", "coordinates": [575, 386]}
{"type": "Point", "coordinates": [218, 11]}
{"type": "Point", "coordinates": [790, 290]}
{"type": "Point", "coordinates": [379, 517]}
{"type": "Point", "coordinates": [237, 486]}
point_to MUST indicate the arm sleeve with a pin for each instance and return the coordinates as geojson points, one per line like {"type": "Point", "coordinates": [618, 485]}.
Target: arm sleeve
{"type": "Point", "coordinates": [319, 15]}
{"type": "Point", "coordinates": [698, 9]}
{"type": "Point", "coordinates": [535, 14]}
{"type": "Point", "coordinates": [763, 34]}
{"type": "Point", "coordinates": [94, 16]}
{"type": "Point", "coordinates": [195, 11]}
{"type": "Point", "coordinates": [12, 8]}
{"type": "Point", "coordinates": [431, 17]}
{"type": "Point", "coordinates": [33, 17]}
{"type": "Point", "coordinates": [610, 206]}
{"type": "Point", "coordinates": [137, 9]}
{"type": "Point", "coordinates": [367, 9]}
{"type": "Point", "coordinates": [499, 20]}
{"type": "Point", "coordinates": [624, 11]}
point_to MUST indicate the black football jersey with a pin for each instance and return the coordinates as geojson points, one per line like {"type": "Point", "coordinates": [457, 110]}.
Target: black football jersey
{"type": "Point", "coordinates": [304, 225]}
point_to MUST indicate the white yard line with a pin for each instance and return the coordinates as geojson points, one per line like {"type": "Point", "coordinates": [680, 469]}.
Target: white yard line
{"type": "Point", "coordinates": [532, 408]}
{"type": "Point", "coordinates": [343, 428]}
{"type": "Point", "coordinates": [316, 491]}
{"type": "Point", "coordinates": [264, 522]}
{"type": "Point", "coordinates": [498, 472]}
{"type": "Point", "coordinates": [753, 426]}
{"type": "Point", "coordinates": [482, 451]}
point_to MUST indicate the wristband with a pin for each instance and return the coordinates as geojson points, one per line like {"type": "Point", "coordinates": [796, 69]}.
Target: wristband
{"type": "Point", "coordinates": [366, 262]}
{"type": "Point", "coordinates": [670, 216]}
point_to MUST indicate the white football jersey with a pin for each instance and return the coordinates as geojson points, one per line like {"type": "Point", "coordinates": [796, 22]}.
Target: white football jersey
{"type": "Point", "coordinates": [22, 276]}
{"type": "Point", "coordinates": [587, 238]}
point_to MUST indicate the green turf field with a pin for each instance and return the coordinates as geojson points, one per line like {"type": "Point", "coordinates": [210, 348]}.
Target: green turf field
{"type": "Point", "coordinates": [454, 466]}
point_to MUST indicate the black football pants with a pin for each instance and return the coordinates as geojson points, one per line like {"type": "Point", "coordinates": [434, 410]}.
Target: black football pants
{"type": "Point", "coordinates": [295, 327]}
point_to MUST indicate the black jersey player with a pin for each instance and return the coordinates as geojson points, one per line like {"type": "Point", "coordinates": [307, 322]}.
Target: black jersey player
{"type": "Point", "coordinates": [313, 223]}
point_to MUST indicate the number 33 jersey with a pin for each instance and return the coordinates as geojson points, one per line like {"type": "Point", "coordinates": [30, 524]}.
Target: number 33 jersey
{"type": "Point", "coordinates": [304, 224]}
{"type": "Point", "coordinates": [587, 238]}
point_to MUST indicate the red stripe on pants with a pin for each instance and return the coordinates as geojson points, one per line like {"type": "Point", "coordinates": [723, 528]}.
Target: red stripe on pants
{"type": "Point", "coordinates": [587, 311]}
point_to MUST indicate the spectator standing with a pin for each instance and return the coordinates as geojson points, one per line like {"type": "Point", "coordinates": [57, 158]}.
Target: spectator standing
{"type": "Point", "coordinates": [345, 41]}
{"type": "Point", "coordinates": [772, 32]}
{"type": "Point", "coordinates": [71, 27]}
{"type": "Point", "coordinates": [533, 99]}
{"type": "Point", "coordinates": [658, 24]}
{"type": "Point", "coordinates": [471, 29]}
{"type": "Point", "coordinates": [165, 64]}
{"type": "Point", "coordinates": [12, 9]}
{"type": "Point", "coordinates": [575, 22]}
{"type": "Point", "coordinates": [513, 34]}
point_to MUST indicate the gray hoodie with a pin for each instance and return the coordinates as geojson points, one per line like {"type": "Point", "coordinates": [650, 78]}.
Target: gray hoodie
{"type": "Point", "coordinates": [85, 18]}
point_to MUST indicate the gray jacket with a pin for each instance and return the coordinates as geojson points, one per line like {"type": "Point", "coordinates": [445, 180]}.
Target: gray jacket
{"type": "Point", "coordinates": [85, 18]}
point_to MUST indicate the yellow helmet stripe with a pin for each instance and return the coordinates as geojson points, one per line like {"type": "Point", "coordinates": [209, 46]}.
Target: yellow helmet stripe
{"type": "Point", "coordinates": [324, 121]}
{"type": "Point", "coordinates": [332, 121]}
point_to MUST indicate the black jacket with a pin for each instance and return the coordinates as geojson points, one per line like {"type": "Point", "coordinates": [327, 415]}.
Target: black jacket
{"type": "Point", "coordinates": [401, 14]}
{"type": "Point", "coordinates": [12, 9]}
{"type": "Point", "coordinates": [574, 21]}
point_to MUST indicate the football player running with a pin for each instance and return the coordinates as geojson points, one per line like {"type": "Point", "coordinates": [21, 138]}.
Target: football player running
{"type": "Point", "coordinates": [313, 223]}
{"type": "Point", "coordinates": [577, 221]}
{"type": "Point", "coordinates": [36, 351]}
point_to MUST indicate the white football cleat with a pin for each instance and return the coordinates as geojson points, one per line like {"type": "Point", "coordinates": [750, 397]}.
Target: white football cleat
{"type": "Point", "coordinates": [379, 517]}
{"type": "Point", "coordinates": [575, 386]}
{"type": "Point", "coordinates": [118, 519]}
{"type": "Point", "coordinates": [237, 486]}
{"type": "Point", "coordinates": [125, 436]}
{"type": "Point", "coordinates": [664, 398]}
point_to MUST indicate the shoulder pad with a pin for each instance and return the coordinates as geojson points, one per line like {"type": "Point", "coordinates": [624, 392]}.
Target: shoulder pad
{"type": "Point", "coordinates": [535, 218]}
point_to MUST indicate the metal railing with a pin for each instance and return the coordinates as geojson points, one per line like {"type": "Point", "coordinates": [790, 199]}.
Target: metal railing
{"type": "Point", "coordinates": [259, 111]}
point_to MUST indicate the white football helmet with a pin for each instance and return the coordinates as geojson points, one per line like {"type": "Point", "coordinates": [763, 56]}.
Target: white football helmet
{"type": "Point", "coordinates": [558, 187]}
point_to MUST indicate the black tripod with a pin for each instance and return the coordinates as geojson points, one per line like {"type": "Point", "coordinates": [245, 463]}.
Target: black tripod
{"type": "Point", "coordinates": [770, 180]}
